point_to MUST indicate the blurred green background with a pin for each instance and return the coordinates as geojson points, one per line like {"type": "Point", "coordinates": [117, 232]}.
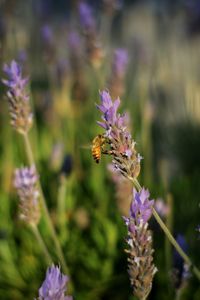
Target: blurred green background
{"type": "Point", "coordinates": [160, 88]}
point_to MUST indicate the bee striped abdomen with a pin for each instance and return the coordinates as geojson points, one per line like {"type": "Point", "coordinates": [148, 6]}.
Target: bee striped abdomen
{"type": "Point", "coordinates": [96, 153]}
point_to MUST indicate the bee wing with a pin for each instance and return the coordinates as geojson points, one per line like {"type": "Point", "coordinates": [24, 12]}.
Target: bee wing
{"type": "Point", "coordinates": [86, 147]}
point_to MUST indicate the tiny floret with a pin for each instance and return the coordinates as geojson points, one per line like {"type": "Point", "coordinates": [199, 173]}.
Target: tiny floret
{"type": "Point", "coordinates": [54, 286]}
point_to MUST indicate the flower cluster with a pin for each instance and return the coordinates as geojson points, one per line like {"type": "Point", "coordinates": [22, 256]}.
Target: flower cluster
{"type": "Point", "coordinates": [54, 286]}
{"type": "Point", "coordinates": [122, 146]}
{"type": "Point", "coordinates": [140, 261]}
{"type": "Point", "coordinates": [19, 102]}
{"type": "Point", "coordinates": [25, 182]}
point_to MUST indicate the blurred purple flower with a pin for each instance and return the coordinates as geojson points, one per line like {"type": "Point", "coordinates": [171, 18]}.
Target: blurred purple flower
{"type": "Point", "coordinates": [25, 177]}
{"type": "Point", "coordinates": [120, 62]}
{"type": "Point", "coordinates": [47, 34]}
{"type": "Point", "coordinates": [161, 207]}
{"type": "Point", "coordinates": [118, 72]}
{"type": "Point", "coordinates": [15, 80]}
{"type": "Point", "coordinates": [25, 181]}
{"type": "Point", "coordinates": [19, 102]}
{"type": "Point", "coordinates": [180, 272]}
{"type": "Point", "coordinates": [86, 17]}
{"type": "Point", "coordinates": [74, 41]}
{"type": "Point", "coordinates": [22, 56]}
{"type": "Point", "coordinates": [54, 285]}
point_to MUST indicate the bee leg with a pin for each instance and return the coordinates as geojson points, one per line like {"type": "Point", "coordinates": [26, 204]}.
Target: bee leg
{"type": "Point", "coordinates": [109, 152]}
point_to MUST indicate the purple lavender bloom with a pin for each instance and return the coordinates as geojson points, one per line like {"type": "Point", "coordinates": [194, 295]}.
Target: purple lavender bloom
{"type": "Point", "coordinates": [25, 177]}
{"type": "Point", "coordinates": [19, 102]}
{"type": "Point", "coordinates": [122, 147]}
{"type": "Point", "coordinates": [15, 80]}
{"type": "Point", "coordinates": [86, 17]}
{"type": "Point", "coordinates": [141, 207]}
{"type": "Point", "coordinates": [140, 261]}
{"type": "Point", "coordinates": [25, 181]}
{"type": "Point", "coordinates": [109, 110]}
{"type": "Point", "coordinates": [54, 285]}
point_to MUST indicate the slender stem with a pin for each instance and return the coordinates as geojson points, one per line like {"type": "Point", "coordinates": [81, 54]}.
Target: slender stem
{"type": "Point", "coordinates": [28, 149]}
{"type": "Point", "coordinates": [53, 232]}
{"type": "Point", "coordinates": [42, 198]}
{"type": "Point", "coordinates": [186, 258]}
{"type": "Point", "coordinates": [169, 225]}
{"type": "Point", "coordinates": [61, 208]}
{"type": "Point", "coordinates": [42, 244]}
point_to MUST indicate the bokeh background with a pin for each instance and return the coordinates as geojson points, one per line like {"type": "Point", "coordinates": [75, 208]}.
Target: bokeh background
{"type": "Point", "coordinates": [146, 52]}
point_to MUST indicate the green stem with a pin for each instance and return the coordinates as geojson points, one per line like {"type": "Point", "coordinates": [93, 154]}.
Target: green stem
{"type": "Point", "coordinates": [186, 258]}
{"type": "Point", "coordinates": [28, 149]}
{"type": "Point", "coordinates": [46, 212]}
{"type": "Point", "coordinates": [42, 244]}
{"type": "Point", "coordinates": [61, 208]}
{"type": "Point", "coordinates": [169, 225]}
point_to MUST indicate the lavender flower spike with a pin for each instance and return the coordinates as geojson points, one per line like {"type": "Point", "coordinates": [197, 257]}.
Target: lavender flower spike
{"type": "Point", "coordinates": [140, 261]}
{"type": "Point", "coordinates": [122, 146]}
{"type": "Point", "coordinates": [25, 182]}
{"type": "Point", "coordinates": [19, 102]}
{"type": "Point", "coordinates": [86, 17]}
{"type": "Point", "coordinates": [54, 285]}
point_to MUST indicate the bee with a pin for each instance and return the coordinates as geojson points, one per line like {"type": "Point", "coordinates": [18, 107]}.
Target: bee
{"type": "Point", "coordinates": [98, 144]}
